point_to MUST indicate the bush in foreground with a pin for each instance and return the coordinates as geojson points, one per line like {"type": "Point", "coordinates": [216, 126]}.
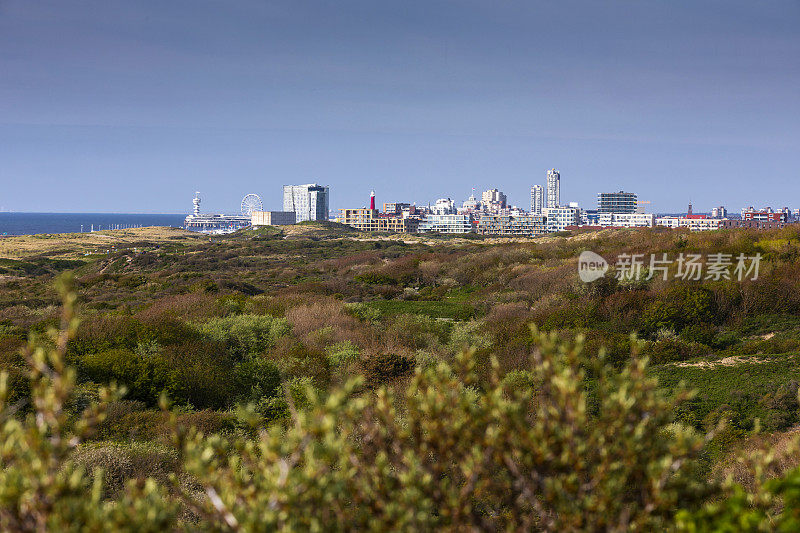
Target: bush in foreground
{"type": "Point", "coordinates": [515, 454]}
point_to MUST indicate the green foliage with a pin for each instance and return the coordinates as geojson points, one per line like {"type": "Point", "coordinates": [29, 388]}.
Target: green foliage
{"type": "Point", "coordinates": [460, 458]}
{"type": "Point", "coordinates": [677, 308]}
{"type": "Point", "coordinates": [245, 334]}
{"type": "Point", "coordinates": [364, 312]}
{"type": "Point", "coordinates": [740, 393]}
{"type": "Point", "coordinates": [195, 373]}
{"type": "Point", "coordinates": [375, 278]}
{"type": "Point", "coordinates": [468, 335]}
{"type": "Point", "coordinates": [342, 353]}
{"type": "Point", "coordinates": [258, 376]}
{"type": "Point", "coordinates": [383, 368]}
{"type": "Point", "coordinates": [41, 487]}
{"type": "Point", "coordinates": [434, 309]}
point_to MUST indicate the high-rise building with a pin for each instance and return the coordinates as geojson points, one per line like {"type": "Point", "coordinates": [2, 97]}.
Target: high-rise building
{"type": "Point", "coordinates": [494, 199]}
{"type": "Point", "coordinates": [616, 202]}
{"type": "Point", "coordinates": [553, 188]}
{"type": "Point", "coordinates": [309, 202]}
{"type": "Point", "coordinates": [719, 212]}
{"type": "Point", "coordinates": [444, 206]}
{"type": "Point", "coordinates": [537, 199]}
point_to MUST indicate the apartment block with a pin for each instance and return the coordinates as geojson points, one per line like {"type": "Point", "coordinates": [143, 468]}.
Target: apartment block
{"type": "Point", "coordinates": [512, 226]}
{"type": "Point", "coordinates": [558, 218]}
{"type": "Point", "coordinates": [364, 219]}
{"type": "Point", "coordinates": [447, 223]}
{"type": "Point", "coordinates": [626, 220]}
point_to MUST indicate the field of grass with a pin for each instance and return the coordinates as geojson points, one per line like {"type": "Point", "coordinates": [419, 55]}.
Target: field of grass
{"type": "Point", "coordinates": [77, 245]}
{"type": "Point", "coordinates": [735, 387]}
{"type": "Point", "coordinates": [435, 309]}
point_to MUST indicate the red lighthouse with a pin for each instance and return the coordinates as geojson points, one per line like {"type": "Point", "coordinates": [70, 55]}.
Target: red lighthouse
{"type": "Point", "coordinates": [372, 200]}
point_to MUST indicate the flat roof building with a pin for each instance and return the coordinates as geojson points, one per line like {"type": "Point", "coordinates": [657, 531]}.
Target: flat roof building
{"type": "Point", "coordinates": [272, 218]}
{"type": "Point", "coordinates": [616, 202]}
{"type": "Point", "coordinates": [364, 219]}
{"type": "Point", "coordinates": [308, 202]}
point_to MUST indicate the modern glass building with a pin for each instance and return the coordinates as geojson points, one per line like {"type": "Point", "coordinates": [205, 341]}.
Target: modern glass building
{"type": "Point", "coordinates": [616, 202]}
{"type": "Point", "coordinates": [309, 202]}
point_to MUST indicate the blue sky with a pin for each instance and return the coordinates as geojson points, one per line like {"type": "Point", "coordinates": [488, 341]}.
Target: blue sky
{"type": "Point", "coordinates": [112, 105]}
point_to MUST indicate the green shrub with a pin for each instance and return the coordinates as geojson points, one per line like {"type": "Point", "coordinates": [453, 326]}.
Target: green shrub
{"type": "Point", "coordinates": [386, 367]}
{"type": "Point", "coordinates": [295, 359]}
{"type": "Point", "coordinates": [677, 308]}
{"type": "Point", "coordinates": [700, 333]}
{"type": "Point", "coordinates": [257, 377]}
{"type": "Point", "coordinates": [468, 335]}
{"type": "Point", "coordinates": [673, 350]}
{"type": "Point", "coordinates": [245, 334]}
{"type": "Point", "coordinates": [342, 353]}
{"type": "Point", "coordinates": [363, 312]}
{"type": "Point", "coordinates": [119, 463]}
{"type": "Point", "coordinates": [374, 278]}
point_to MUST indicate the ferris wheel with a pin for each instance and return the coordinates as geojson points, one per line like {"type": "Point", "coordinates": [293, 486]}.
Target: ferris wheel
{"type": "Point", "coordinates": [250, 203]}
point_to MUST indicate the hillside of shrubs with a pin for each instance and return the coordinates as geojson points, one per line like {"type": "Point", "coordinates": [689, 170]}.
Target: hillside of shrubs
{"type": "Point", "coordinates": [322, 379]}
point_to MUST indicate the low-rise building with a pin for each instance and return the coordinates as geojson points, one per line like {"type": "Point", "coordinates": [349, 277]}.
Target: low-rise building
{"type": "Point", "coordinates": [626, 220]}
{"type": "Point", "coordinates": [395, 208]}
{"type": "Point", "coordinates": [364, 219]}
{"type": "Point", "coordinates": [528, 225]}
{"type": "Point", "coordinates": [694, 222]}
{"type": "Point", "coordinates": [752, 224]}
{"type": "Point", "coordinates": [272, 218]}
{"type": "Point", "coordinates": [765, 215]}
{"type": "Point", "coordinates": [558, 218]}
{"type": "Point", "coordinates": [447, 223]}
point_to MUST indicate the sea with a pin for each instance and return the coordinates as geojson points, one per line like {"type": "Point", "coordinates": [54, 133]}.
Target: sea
{"type": "Point", "coordinates": [34, 223]}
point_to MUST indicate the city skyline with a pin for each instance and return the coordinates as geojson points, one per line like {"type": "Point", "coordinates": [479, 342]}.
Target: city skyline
{"type": "Point", "coordinates": [131, 108]}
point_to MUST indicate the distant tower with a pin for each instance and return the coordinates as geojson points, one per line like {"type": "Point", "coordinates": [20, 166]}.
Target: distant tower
{"type": "Point", "coordinates": [537, 199]}
{"type": "Point", "coordinates": [372, 200]}
{"type": "Point", "coordinates": [196, 203]}
{"type": "Point", "coordinates": [689, 211]}
{"type": "Point", "coordinates": [553, 188]}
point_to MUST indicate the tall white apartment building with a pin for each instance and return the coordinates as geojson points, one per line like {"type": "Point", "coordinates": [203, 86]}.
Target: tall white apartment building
{"type": "Point", "coordinates": [309, 201]}
{"type": "Point", "coordinates": [553, 188]}
{"type": "Point", "coordinates": [537, 199]}
{"type": "Point", "coordinates": [719, 212]}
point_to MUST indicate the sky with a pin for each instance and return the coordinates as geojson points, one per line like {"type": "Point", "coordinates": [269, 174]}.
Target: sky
{"type": "Point", "coordinates": [120, 106]}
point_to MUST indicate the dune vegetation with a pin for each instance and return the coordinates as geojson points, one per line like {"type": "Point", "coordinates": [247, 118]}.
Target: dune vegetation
{"type": "Point", "coordinates": [315, 378]}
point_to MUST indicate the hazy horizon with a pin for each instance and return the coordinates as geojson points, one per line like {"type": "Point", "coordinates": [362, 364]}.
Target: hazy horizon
{"type": "Point", "coordinates": [121, 108]}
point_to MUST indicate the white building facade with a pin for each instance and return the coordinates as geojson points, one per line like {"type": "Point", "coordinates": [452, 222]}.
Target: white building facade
{"type": "Point", "coordinates": [537, 199]}
{"type": "Point", "coordinates": [553, 188]}
{"type": "Point", "coordinates": [558, 218]}
{"type": "Point", "coordinates": [446, 223]}
{"type": "Point", "coordinates": [626, 220]}
{"type": "Point", "coordinates": [308, 202]}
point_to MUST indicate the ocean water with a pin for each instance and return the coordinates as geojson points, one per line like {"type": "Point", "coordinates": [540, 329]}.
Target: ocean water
{"type": "Point", "coordinates": [33, 223]}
